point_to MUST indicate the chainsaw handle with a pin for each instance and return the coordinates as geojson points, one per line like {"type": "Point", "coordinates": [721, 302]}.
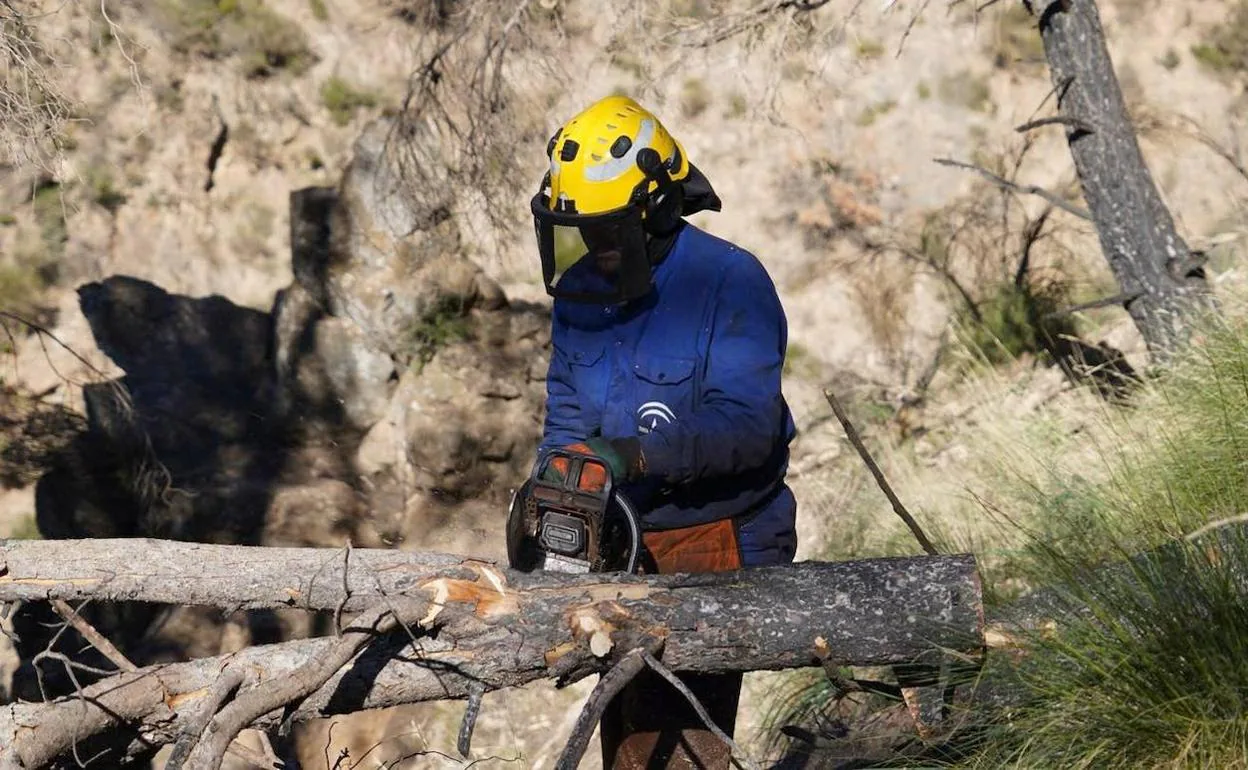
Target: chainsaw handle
{"type": "Point", "coordinates": [634, 530]}
{"type": "Point", "coordinates": [572, 479]}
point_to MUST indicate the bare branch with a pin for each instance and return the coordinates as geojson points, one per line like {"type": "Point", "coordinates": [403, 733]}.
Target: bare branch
{"type": "Point", "coordinates": [464, 743]}
{"type": "Point", "coordinates": [1116, 300]}
{"type": "Point", "coordinates": [610, 685]}
{"type": "Point", "coordinates": [254, 703]}
{"type": "Point", "coordinates": [898, 508]}
{"type": "Point", "coordinates": [1197, 132]}
{"type": "Point", "coordinates": [1062, 120]}
{"type": "Point", "coordinates": [33, 104]}
{"type": "Point", "coordinates": [914, 19]}
{"type": "Point", "coordinates": [230, 680]}
{"type": "Point", "coordinates": [1031, 234]}
{"type": "Point", "coordinates": [738, 756]}
{"type": "Point", "coordinates": [1056, 200]}
{"type": "Point", "coordinates": [95, 638]}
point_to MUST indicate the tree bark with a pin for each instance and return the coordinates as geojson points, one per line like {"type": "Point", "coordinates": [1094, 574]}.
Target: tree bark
{"type": "Point", "coordinates": [480, 626]}
{"type": "Point", "coordinates": [1152, 263]}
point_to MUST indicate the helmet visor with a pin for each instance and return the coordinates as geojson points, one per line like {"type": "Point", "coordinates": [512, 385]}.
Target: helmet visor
{"type": "Point", "coordinates": [597, 258]}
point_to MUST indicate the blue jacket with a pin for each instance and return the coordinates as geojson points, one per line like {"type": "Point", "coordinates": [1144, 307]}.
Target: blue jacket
{"type": "Point", "coordinates": [693, 369]}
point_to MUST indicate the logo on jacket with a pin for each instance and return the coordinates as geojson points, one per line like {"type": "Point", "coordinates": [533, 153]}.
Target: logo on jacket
{"type": "Point", "coordinates": [651, 413]}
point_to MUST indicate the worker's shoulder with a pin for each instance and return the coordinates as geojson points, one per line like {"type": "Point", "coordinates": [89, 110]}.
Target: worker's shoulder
{"type": "Point", "coordinates": [717, 255]}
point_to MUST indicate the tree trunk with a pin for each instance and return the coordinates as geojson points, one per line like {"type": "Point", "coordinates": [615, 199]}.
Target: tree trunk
{"type": "Point", "coordinates": [478, 624]}
{"type": "Point", "coordinates": [1151, 262]}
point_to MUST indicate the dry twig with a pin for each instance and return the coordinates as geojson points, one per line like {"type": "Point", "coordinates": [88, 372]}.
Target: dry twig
{"type": "Point", "coordinates": [1002, 182]}
{"type": "Point", "coordinates": [610, 685]}
{"type": "Point", "coordinates": [900, 509]}
{"type": "Point", "coordinates": [94, 637]}
{"type": "Point", "coordinates": [738, 756]}
{"type": "Point", "coordinates": [1063, 120]}
{"type": "Point", "coordinates": [469, 723]}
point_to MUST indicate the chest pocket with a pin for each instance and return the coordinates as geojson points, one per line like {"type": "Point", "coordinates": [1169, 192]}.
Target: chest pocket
{"type": "Point", "coordinates": [664, 390]}
{"type": "Point", "coordinates": [589, 380]}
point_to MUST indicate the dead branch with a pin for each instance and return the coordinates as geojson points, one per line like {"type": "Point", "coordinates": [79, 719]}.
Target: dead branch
{"type": "Point", "coordinates": [291, 690]}
{"type": "Point", "coordinates": [1063, 120]}
{"type": "Point", "coordinates": [479, 627]}
{"type": "Point", "coordinates": [863, 452]}
{"type": "Point", "coordinates": [191, 734]}
{"type": "Point", "coordinates": [1056, 200]}
{"type": "Point", "coordinates": [910, 25]}
{"type": "Point", "coordinates": [1194, 130]}
{"type": "Point", "coordinates": [95, 638]}
{"type": "Point", "coordinates": [738, 756]}
{"type": "Point", "coordinates": [469, 723]}
{"type": "Point", "coordinates": [1031, 234]}
{"type": "Point", "coordinates": [33, 105]}
{"type": "Point", "coordinates": [610, 685]}
{"type": "Point", "coordinates": [1117, 300]}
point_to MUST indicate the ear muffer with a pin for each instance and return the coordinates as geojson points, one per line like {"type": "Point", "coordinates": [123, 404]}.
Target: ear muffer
{"type": "Point", "coordinates": [664, 206]}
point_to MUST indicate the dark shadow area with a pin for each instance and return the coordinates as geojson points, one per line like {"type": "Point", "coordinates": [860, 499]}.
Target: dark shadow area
{"type": "Point", "coordinates": [187, 445]}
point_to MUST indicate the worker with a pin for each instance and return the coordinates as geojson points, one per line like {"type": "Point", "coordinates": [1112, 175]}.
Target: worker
{"type": "Point", "coordinates": [667, 350]}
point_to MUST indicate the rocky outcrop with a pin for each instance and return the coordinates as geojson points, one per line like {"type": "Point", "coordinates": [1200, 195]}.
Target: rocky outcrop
{"type": "Point", "coordinates": [389, 328]}
{"type": "Point", "coordinates": [391, 396]}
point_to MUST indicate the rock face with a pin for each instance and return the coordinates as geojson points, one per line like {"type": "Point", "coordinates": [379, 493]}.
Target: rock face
{"type": "Point", "coordinates": [391, 396]}
{"type": "Point", "coordinates": [389, 325]}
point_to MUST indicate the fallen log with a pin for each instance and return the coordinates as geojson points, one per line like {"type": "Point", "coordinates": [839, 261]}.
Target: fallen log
{"type": "Point", "coordinates": [468, 624]}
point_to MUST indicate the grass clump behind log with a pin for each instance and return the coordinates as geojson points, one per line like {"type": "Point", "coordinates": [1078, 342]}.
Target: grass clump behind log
{"type": "Point", "coordinates": [1149, 667]}
{"type": "Point", "coordinates": [1127, 520]}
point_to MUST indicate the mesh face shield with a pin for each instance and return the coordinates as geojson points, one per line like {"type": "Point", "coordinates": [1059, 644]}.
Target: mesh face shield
{"type": "Point", "coordinates": [598, 258]}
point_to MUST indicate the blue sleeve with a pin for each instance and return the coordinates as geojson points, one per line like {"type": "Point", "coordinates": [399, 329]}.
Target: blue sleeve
{"type": "Point", "coordinates": [563, 425]}
{"type": "Point", "coordinates": [740, 413]}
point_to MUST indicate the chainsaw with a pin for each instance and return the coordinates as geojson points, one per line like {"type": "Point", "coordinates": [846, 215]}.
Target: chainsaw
{"type": "Point", "coordinates": [555, 525]}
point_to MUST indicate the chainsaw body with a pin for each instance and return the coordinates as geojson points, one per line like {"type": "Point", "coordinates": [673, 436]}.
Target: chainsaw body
{"type": "Point", "coordinates": [557, 525]}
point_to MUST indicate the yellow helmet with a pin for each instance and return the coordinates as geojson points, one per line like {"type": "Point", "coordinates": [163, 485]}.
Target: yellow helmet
{"type": "Point", "coordinates": [616, 178]}
{"type": "Point", "coordinates": [593, 157]}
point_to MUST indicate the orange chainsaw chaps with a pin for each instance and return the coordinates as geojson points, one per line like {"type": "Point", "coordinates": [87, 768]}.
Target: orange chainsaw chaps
{"type": "Point", "coordinates": [703, 548]}
{"type": "Point", "coordinates": [593, 473]}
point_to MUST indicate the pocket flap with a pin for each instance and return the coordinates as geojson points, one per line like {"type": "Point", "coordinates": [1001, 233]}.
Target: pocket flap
{"type": "Point", "coordinates": [662, 370]}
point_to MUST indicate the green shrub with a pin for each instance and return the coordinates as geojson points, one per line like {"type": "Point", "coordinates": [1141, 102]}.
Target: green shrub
{"type": "Point", "coordinates": [968, 90]}
{"type": "Point", "coordinates": [797, 359]}
{"type": "Point", "coordinates": [1225, 47]}
{"type": "Point", "coordinates": [869, 49]}
{"type": "Point", "coordinates": [874, 112]}
{"type": "Point", "coordinates": [1015, 320]}
{"type": "Point", "coordinates": [103, 190]}
{"type": "Point", "coordinates": [694, 98]}
{"type": "Point", "coordinates": [320, 11]}
{"type": "Point", "coordinates": [1016, 38]}
{"type": "Point", "coordinates": [342, 99]}
{"type": "Point", "coordinates": [49, 208]}
{"type": "Point", "coordinates": [443, 324]}
{"type": "Point", "coordinates": [265, 41]}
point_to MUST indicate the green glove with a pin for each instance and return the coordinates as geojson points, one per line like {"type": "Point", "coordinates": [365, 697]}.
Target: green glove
{"type": "Point", "coordinates": [622, 456]}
